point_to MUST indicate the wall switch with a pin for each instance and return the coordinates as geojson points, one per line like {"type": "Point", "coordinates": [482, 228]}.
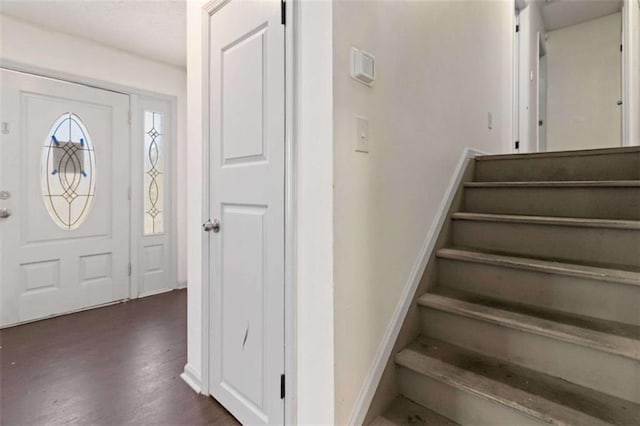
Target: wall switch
{"type": "Point", "coordinates": [362, 134]}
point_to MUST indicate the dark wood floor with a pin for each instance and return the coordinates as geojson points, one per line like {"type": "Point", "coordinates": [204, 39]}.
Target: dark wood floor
{"type": "Point", "coordinates": [115, 365]}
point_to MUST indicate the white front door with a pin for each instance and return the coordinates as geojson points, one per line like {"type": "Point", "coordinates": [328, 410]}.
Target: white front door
{"type": "Point", "coordinates": [64, 179]}
{"type": "Point", "coordinates": [246, 184]}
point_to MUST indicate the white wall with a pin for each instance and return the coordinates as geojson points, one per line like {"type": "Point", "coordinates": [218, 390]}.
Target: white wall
{"type": "Point", "coordinates": [584, 85]}
{"type": "Point", "coordinates": [55, 53]}
{"type": "Point", "coordinates": [312, 184]}
{"type": "Point", "coordinates": [441, 68]}
{"type": "Point", "coordinates": [315, 207]}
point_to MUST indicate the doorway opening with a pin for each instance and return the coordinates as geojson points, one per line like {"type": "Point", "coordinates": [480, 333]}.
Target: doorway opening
{"type": "Point", "coordinates": [571, 79]}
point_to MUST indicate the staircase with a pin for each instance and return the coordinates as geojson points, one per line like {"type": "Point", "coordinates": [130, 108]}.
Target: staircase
{"type": "Point", "coordinates": [535, 317]}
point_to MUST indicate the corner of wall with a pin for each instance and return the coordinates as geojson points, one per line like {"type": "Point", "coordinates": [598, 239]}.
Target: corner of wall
{"type": "Point", "coordinates": [194, 185]}
{"type": "Point", "coordinates": [315, 392]}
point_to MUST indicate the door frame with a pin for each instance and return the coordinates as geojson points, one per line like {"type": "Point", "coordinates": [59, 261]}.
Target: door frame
{"type": "Point", "coordinates": [135, 141]}
{"type": "Point", "coordinates": [515, 86]}
{"type": "Point", "coordinates": [521, 76]}
{"type": "Point", "coordinates": [541, 51]}
{"type": "Point", "coordinates": [290, 207]}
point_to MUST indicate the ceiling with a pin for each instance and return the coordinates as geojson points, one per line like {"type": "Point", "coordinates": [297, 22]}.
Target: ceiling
{"type": "Point", "coordinates": [155, 29]}
{"type": "Point", "coordinates": [563, 13]}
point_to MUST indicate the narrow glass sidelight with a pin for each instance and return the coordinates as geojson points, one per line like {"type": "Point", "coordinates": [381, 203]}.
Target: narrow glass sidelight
{"type": "Point", "coordinates": [153, 173]}
{"type": "Point", "coordinates": [68, 172]}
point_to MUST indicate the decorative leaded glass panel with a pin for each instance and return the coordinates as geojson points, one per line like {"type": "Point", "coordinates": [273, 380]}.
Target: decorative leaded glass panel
{"type": "Point", "coordinates": [153, 173]}
{"type": "Point", "coordinates": [68, 172]}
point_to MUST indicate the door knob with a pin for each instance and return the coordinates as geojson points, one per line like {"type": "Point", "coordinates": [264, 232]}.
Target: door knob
{"type": "Point", "coordinates": [4, 213]}
{"type": "Point", "coordinates": [619, 103]}
{"type": "Point", "coordinates": [209, 226]}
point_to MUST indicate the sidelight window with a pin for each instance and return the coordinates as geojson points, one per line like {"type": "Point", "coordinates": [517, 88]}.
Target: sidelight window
{"type": "Point", "coordinates": [153, 173]}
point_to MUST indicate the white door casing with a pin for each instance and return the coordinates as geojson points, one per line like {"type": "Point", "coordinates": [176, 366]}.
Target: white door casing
{"type": "Point", "coordinates": [47, 270]}
{"type": "Point", "coordinates": [541, 75]}
{"type": "Point", "coordinates": [246, 172]}
{"type": "Point", "coordinates": [524, 21]}
{"type": "Point", "coordinates": [516, 83]}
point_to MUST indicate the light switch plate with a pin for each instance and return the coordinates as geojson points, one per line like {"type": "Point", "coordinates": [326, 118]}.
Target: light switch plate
{"type": "Point", "coordinates": [362, 134]}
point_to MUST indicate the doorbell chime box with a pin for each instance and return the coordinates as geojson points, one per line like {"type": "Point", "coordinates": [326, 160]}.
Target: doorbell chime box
{"type": "Point", "coordinates": [362, 66]}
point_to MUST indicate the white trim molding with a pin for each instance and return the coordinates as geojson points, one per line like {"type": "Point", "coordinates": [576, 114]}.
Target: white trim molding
{"type": "Point", "coordinates": [372, 380]}
{"type": "Point", "coordinates": [192, 378]}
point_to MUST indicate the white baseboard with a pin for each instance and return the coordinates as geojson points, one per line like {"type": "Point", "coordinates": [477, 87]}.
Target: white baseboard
{"type": "Point", "coordinates": [182, 285]}
{"type": "Point", "coordinates": [192, 378]}
{"type": "Point", "coordinates": [371, 382]}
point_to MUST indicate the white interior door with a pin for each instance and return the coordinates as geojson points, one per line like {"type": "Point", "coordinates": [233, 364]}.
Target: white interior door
{"type": "Point", "coordinates": [247, 134]}
{"type": "Point", "coordinates": [65, 173]}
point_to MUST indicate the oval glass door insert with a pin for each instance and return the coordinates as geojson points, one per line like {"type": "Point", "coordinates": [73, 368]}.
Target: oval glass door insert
{"type": "Point", "coordinates": [68, 172]}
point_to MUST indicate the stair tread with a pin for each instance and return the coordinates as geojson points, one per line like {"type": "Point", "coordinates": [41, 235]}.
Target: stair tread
{"type": "Point", "coordinates": [549, 266]}
{"type": "Point", "coordinates": [556, 184]}
{"type": "Point", "coordinates": [539, 395]}
{"type": "Point", "coordinates": [402, 412]}
{"type": "Point", "coordinates": [570, 153]}
{"type": "Point", "coordinates": [608, 336]}
{"type": "Point", "coordinates": [630, 269]}
{"type": "Point", "coordinates": [549, 220]}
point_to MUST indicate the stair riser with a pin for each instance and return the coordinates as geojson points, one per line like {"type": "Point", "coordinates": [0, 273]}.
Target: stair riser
{"type": "Point", "coordinates": [621, 166]}
{"type": "Point", "coordinates": [583, 296]}
{"type": "Point", "coordinates": [571, 243]}
{"type": "Point", "coordinates": [601, 202]}
{"type": "Point", "coordinates": [459, 405]}
{"type": "Point", "coordinates": [579, 364]}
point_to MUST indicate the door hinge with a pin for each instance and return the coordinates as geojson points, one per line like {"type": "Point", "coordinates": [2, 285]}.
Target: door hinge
{"type": "Point", "coordinates": [129, 269]}
{"type": "Point", "coordinates": [282, 386]}
{"type": "Point", "coordinates": [621, 47]}
{"type": "Point", "coordinates": [517, 144]}
{"type": "Point", "coordinates": [517, 28]}
{"type": "Point", "coordinates": [283, 12]}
